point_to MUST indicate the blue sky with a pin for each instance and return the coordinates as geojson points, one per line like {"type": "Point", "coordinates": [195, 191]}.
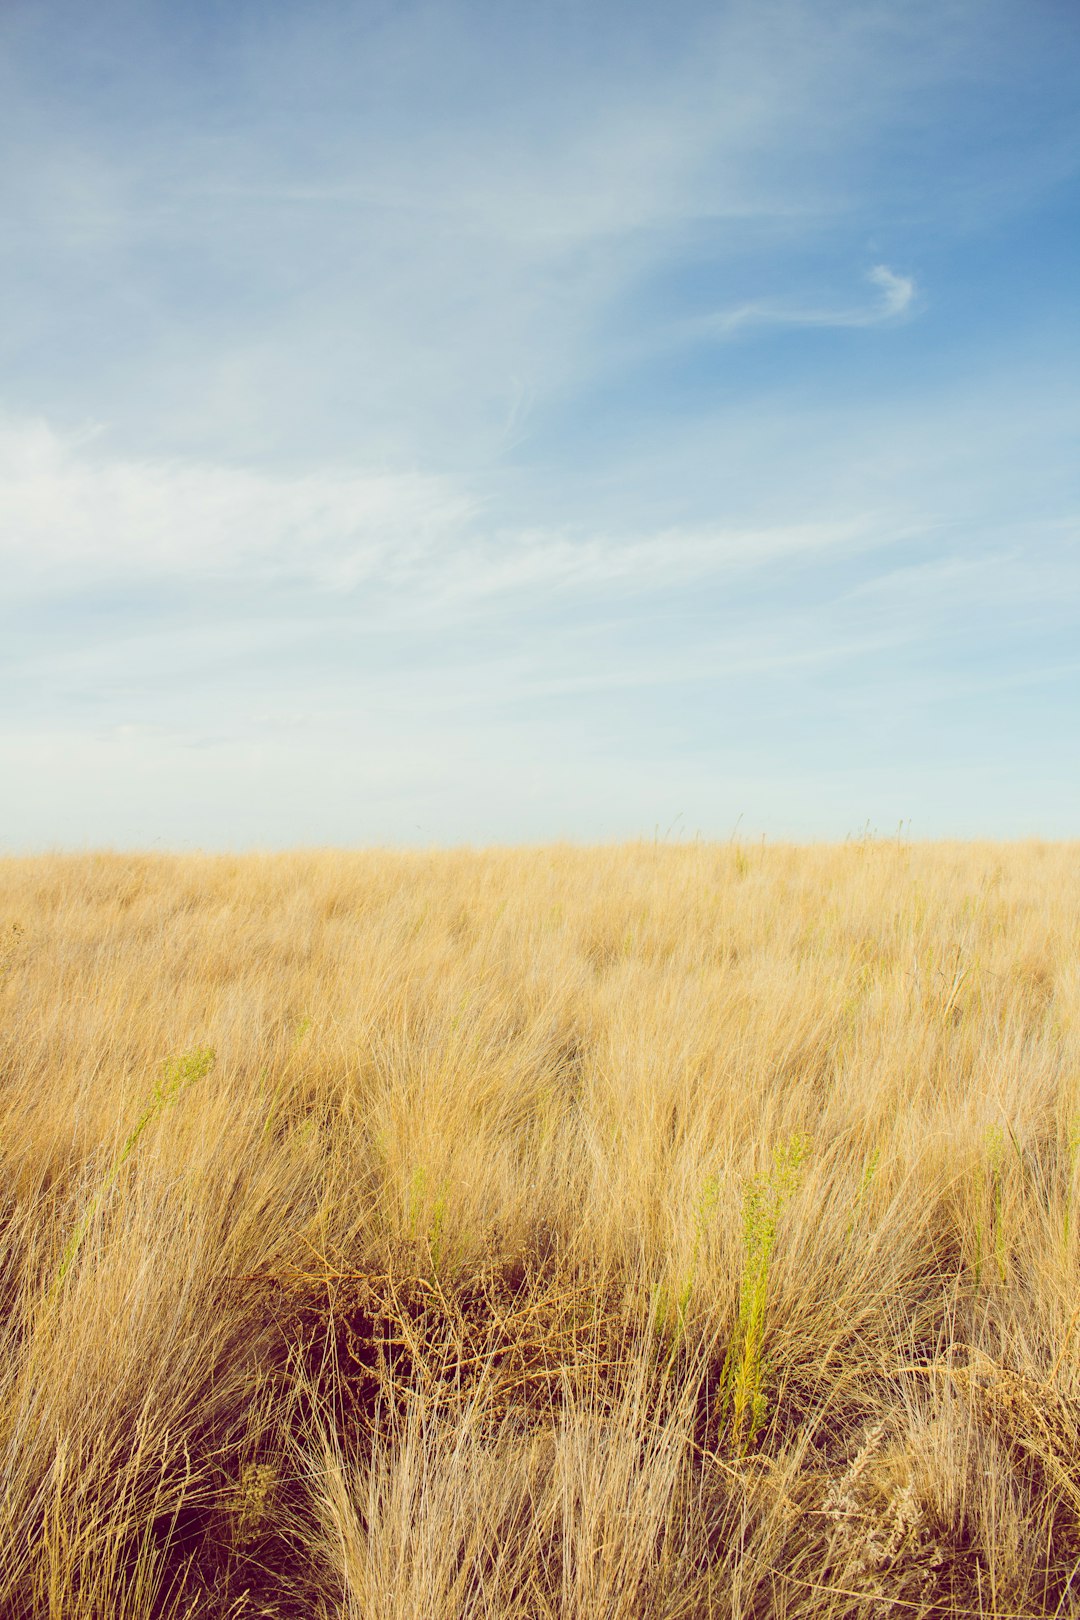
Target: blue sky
{"type": "Point", "coordinates": [495, 422]}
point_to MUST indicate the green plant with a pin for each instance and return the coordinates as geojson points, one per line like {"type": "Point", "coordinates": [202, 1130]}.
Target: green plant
{"type": "Point", "coordinates": [274, 1098]}
{"type": "Point", "coordinates": [995, 1147]}
{"type": "Point", "coordinates": [671, 1309]}
{"type": "Point", "coordinates": [743, 1379]}
{"type": "Point", "coordinates": [866, 1180]}
{"type": "Point", "coordinates": [426, 1216]}
{"type": "Point", "coordinates": [178, 1073]}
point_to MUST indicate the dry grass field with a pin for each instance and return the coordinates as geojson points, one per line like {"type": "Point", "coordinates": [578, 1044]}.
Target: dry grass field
{"type": "Point", "coordinates": [657, 1231]}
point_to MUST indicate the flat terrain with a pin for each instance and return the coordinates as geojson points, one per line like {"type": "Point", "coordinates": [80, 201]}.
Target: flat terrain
{"type": "Point", "coordinates": [644, 1231]}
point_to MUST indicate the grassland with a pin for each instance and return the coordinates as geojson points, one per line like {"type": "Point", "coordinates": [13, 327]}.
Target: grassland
{"type": "Point", "coordinates": [657, 1231]}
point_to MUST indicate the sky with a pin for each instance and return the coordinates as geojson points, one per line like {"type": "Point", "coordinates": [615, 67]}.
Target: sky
{"type": "Point", "coordinates": [493, 422]}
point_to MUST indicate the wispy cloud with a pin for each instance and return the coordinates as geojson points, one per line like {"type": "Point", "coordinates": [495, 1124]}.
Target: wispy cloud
{"type": "Point", "coordinates": [896, 295]}
{"type": "Point", "coordinates": [68, 504]}
{"type": "Point", "coordinates": [72, 513]}
{"type": "Point", "coordinates": [897, 292]}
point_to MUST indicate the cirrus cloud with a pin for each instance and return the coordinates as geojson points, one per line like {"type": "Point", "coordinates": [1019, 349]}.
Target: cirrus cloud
{"type": "Point", "coordinates": [896, 295]}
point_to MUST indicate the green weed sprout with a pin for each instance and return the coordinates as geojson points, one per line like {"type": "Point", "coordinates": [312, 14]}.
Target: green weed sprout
{"type": "Point", "coordinates": [417, 1208]}
{"type": "Point", "coordinates": [178, 1074]}
{"type": "Point", "coordinates": [665, 1320]}
{"type": "Point", "coordinates": [742, 1381]}
{"type": "Point", "coordinates": [275, 1097]}
{"type": "Point", "coordinates": [995, 1146]}
{"type": "Point", "coordinates": [866, 1181]}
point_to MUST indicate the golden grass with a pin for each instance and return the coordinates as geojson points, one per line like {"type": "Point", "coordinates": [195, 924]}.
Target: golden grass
{"type": "Point", "coordinates": [657, 1231]}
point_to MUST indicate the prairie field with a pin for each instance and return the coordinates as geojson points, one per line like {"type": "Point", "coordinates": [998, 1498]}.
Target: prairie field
{"type": "Point", "coordinates": [659, 1230]}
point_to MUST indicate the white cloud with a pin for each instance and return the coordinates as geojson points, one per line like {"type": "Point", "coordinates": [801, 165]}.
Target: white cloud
{"type": "Point", "coordinates": [567, 561]}
{"type": "Point", "coordinates": [65, 503]}
{"type": "Point", "coordinates": [896, 296]}
{"type": "Point", "coordinates": [71, 512]}
{"type": "Point", "coordinates": [897, 291]}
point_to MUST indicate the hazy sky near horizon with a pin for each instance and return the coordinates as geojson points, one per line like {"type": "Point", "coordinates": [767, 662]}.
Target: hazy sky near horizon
{"type": "Point", "coordinates": [496, 422]}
